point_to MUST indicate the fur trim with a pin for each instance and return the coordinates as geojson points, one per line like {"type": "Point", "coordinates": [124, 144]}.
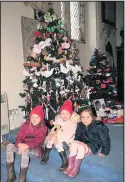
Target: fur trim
{"type": "Point", "coordinates": [75, 117]}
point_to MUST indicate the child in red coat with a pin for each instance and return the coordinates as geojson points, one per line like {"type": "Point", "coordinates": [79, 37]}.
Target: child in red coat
{"type": "Point", "coordinates": [29, 141]}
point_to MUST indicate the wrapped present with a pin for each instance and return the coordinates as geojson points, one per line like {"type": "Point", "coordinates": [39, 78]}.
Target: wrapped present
{"type": "Point", "coordinates": [109, 120]}
{"type": "Point", "coordinates": [114, 120]}
{"type": "Point", "coordinates": [120, 112]}
{"type": "Point", "coordinates": [114, 111]}
{"type": "Point", "coordinates": [119, 119]}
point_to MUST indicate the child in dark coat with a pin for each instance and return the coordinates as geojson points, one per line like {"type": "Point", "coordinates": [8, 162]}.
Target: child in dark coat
{"type": "Point", "coordinates": [29, 141]}
{"type": "Point", "coordinates": [91, 137]}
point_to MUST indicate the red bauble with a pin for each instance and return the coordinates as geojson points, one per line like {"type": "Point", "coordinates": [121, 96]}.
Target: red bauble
{"type": "Point", "coordinates": [103, 85]}
{"type": "Point", "coordinates": [99, 70]}
{"type": "Point", "coordinates": [37, 34]}
{"type": "Point", "coordinates": [107, 69]}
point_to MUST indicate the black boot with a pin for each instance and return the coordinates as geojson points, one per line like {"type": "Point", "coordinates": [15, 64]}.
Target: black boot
{"type": "Point", "coordinates": [22, 175]}
{"type": "Point", "coordinates": [45, 157]}
{"type": "Point", "coordinates": [64, 161]}
{"type": "Point", "coordinates": [11, 172]}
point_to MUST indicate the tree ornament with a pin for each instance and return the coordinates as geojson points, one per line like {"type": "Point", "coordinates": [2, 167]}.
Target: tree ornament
{"type": "Point", "coordinates": [48, 97]}
{"type": "Point", "coordinates": [37, 48]}
{"type": "Point", "coordinates": [63, 69]}
{"type": "Point", "coordinates": [46, 113]}
{"type": "Point", "coordinates": [103, 85]}
{"type": "Point", "coordinates": [26, 64]}
{"type": "Point", "coordinates": [48, 17]}
{"type": "Point", "coordinates": [37, 34]}
{"type": "Point", "coordinates": [75, 106]}
{"type": "Point", "coordinates": [35, 85]}
{"type": "Point", "coordinates": [37, 73]}
{"type": "Point", "coordinates": [44, 67]}
{"type": "Point", "coordinates": [65, 45]}
{"type": "Point", "coordinates": [60, 51]}
{"type": "Point", "coordinates": [98, 81]}
{"type": "Point", "coordinates": [57, 82]}
{"type": "Point", "coordinates": [108, 74]}
{"type": "Point", "coordinates": [62, 60]}
{"type": "Point", "coordinates": [99, 70]}
{"type": "Point", "coordinates": [107, 69]}
{"type": "Point", "coordinates": [47, 73]}
{"type": "Point", "coordinates": [34, 80]}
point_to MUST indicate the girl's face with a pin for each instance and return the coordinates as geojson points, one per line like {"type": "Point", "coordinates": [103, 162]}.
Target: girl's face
{"type": "Point", "coordinates": [65, 115]}
{"type": "Point", "coordinates": [86, 118]}
{"type": "Point", "coordinates": [35, 119]}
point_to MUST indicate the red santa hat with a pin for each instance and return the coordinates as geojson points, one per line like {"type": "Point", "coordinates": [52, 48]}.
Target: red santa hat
{"type": "Point", "coordinates": [67, 105]}
{"type": "Point", "coordinates": [39, 111]}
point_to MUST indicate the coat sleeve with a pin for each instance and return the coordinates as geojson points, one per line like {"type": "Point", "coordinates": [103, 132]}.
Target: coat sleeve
{"type": "Point", "coordinates": [39, 138]}
{"type": "Point", "coordinates": [103, 133]}
{"type": "Point", "coordinates": [20, 138]}
{"type": "Point", "coordinates": [78, 135]}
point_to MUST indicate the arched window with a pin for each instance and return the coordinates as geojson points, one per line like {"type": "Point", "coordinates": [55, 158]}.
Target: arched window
{"type": "Point", "coordinates": [74, 17]}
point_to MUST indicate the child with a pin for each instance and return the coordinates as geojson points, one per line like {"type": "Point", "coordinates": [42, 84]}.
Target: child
{"type": "Point", "coordinates": [90, 137]}
{"type": "Point", "coordinates": [29, 141]}
{"type": "Point", "coordinates": [62, 132]}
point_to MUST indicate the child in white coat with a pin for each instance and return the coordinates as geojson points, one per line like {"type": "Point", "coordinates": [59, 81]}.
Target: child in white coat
{"type": "Point", "coordinates": [62, 132]}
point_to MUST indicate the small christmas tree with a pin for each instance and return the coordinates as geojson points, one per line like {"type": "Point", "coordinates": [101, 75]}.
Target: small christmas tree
{"type": "Point", "coordinates": [101, 79]}
{"type": "Point", "coordinates": [52, 71]}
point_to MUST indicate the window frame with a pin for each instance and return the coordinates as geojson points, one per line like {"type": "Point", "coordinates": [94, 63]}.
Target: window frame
{"type": "Point", "coordinates": [65, 15]}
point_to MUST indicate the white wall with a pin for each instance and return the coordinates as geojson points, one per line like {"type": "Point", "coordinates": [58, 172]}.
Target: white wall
{"type": "Point", "coordinates": [12, 52]}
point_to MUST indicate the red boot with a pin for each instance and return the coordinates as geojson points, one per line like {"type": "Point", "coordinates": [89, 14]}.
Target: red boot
{"type": "Point", "coordinates": [76, 168]}
{"type": "Point", "coordinates": [71, 161]}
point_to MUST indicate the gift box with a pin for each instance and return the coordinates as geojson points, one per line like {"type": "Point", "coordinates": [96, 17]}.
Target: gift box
{"type": "Point", "coordinates": [114, 114]}
{"type": "Point", "coordinates": [114, 111]}
{"type": "Point", "coordinates": [114, 120]}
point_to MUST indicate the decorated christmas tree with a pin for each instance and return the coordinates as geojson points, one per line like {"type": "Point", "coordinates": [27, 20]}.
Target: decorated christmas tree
{"type": "Point", "coordinates": [101, 79]}
{"type": "Point", "coordinates": [52, 72]}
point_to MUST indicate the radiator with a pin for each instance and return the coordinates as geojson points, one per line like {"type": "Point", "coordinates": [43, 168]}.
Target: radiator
{"type": "Point", "coordinates": [4, 114]}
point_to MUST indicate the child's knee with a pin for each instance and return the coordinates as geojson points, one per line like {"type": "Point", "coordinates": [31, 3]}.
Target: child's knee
{"type": "Point", "coordinates": [25, 153]}
{"type": "Point", "coordinates": [49, 144]}
{"type": "Point", "coordinates": [10, 147]}
{"type": "Point", "coordinates": [73, 145]}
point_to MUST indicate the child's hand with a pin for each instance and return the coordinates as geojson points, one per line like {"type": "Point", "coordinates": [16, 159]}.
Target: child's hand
{"type": "Point", "coordinates": [100, 154]}
{"type": "Point", "coordinates": [52, 137]}
{"type": "Point", "coordinates": [22, 148]}
{"type": "Point", "coordinates": [20, 144]}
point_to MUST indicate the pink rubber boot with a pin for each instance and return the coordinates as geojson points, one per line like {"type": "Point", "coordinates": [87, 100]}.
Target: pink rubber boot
{"type": "Point", "coordinates": [71, 161]}
{"type": "Point", "coordinates": [76, 168]}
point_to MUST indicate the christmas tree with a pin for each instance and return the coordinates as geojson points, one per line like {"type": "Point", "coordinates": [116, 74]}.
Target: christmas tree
{"type": "Point", "coordinates": [101, 79]}
{"type": "Point", "coordinates": [52, 72]}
